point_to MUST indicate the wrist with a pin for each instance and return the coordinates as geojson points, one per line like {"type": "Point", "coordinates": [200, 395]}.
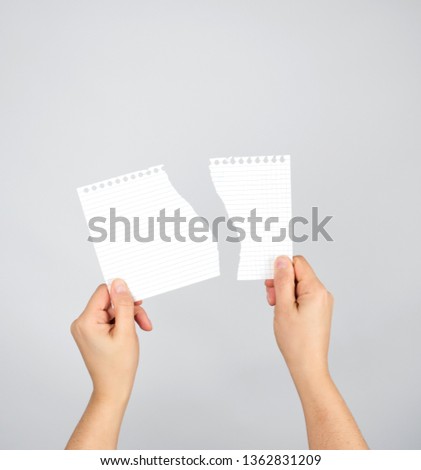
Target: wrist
{"type": "Point", "coordinates": [110, 400]}
{"type": "Point", "coordinates": [310, 376]}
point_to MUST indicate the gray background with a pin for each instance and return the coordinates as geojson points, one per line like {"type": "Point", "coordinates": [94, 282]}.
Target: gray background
{"type": "Point", "coordinates": [93, 89]}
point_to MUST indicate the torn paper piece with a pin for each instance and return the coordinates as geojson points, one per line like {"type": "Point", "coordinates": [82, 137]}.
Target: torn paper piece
{"type": "Point", "coordinates": [262, 185]}
{"type": "Point", "coordinates": [120, 209]}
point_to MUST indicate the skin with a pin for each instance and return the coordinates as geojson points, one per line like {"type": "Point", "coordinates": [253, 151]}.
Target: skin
{"type": "Point", "coordinates": [107, 339]}
{"type": "Point", "coordinates": [302, 320]}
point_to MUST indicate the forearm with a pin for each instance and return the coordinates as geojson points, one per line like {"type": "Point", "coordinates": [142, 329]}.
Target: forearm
{"type": "Point", "coordinates": [329, 422]}
{"type": "Point", "coordinates": [99, 426]}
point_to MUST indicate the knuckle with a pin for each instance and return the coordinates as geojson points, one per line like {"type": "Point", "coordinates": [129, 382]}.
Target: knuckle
{"type": "Point", "coordinates": [74, 327]}
{"type": "Point", "coordinates": [317, 288]}
{"type": "Point", "coordinates": [321, 291]}
{"type": "Point", "coordinates": [77, 327]}
{"type": "Point", "coordinates": [330, 298]}
{"type": "Point", "coordinates": [325, 296]}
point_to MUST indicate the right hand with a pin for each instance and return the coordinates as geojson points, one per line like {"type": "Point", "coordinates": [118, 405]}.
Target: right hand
{"type": "Point", "coordinates": [106, 336]}
{"type": "Point", "coordinates": [303, 312]}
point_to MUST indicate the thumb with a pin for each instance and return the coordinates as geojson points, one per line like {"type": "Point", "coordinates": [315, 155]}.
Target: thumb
{"type": "Point", "coordinates": [123, 306]}
{"type": "Point", "coordinates": [284, 283]}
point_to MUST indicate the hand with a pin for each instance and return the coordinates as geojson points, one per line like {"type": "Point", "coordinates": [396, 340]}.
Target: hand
{"type": "Point", "coordinates": [108, 342]}
{"type": "Point", "coordinates": [303, 312]}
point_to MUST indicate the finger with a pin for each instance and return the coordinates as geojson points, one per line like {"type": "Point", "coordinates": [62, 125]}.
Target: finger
{"type": "Point", "coordinates": [142, 319]}
{"type": "Point", "coordinates": [138, 302]}
{"type": "Point", "coordinates": [123, 306]}
{"type": "Point", "coordinates": [284, 285]}
{"type": "Point", "coordinates": [100, 300]}
{"type": "Point", "coordinates": [307, 281]}
{"type": "Point", "coordinates": [111, 312]}
{"type": "Point", "coordinates": [270, 295]}
{"type": "Point", "coordinates": [269, 283]}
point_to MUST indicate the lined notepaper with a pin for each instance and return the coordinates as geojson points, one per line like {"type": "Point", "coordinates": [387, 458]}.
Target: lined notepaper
{"type": "Point", "coordinates": [153, 267]}
{"type": "Point", "coordinates": [264, 184]}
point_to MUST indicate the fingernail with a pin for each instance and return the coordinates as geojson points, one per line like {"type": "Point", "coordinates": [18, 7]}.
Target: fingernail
{"type": "Point", "coordinates": [282, 262]}
{"type": "Point", "coordinates": [120, 286]}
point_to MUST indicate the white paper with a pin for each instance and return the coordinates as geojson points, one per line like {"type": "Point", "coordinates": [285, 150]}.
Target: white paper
{"type": "Point", "coordinates": [155, 267]}
{"type": "Point", "coordinates": [264, 184]}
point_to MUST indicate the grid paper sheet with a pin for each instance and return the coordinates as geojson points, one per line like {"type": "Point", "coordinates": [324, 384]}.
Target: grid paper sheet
{"type": "Point", "coordinates": [261, 183]}
{"type": "Point", "coordinates": [153, 267]}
